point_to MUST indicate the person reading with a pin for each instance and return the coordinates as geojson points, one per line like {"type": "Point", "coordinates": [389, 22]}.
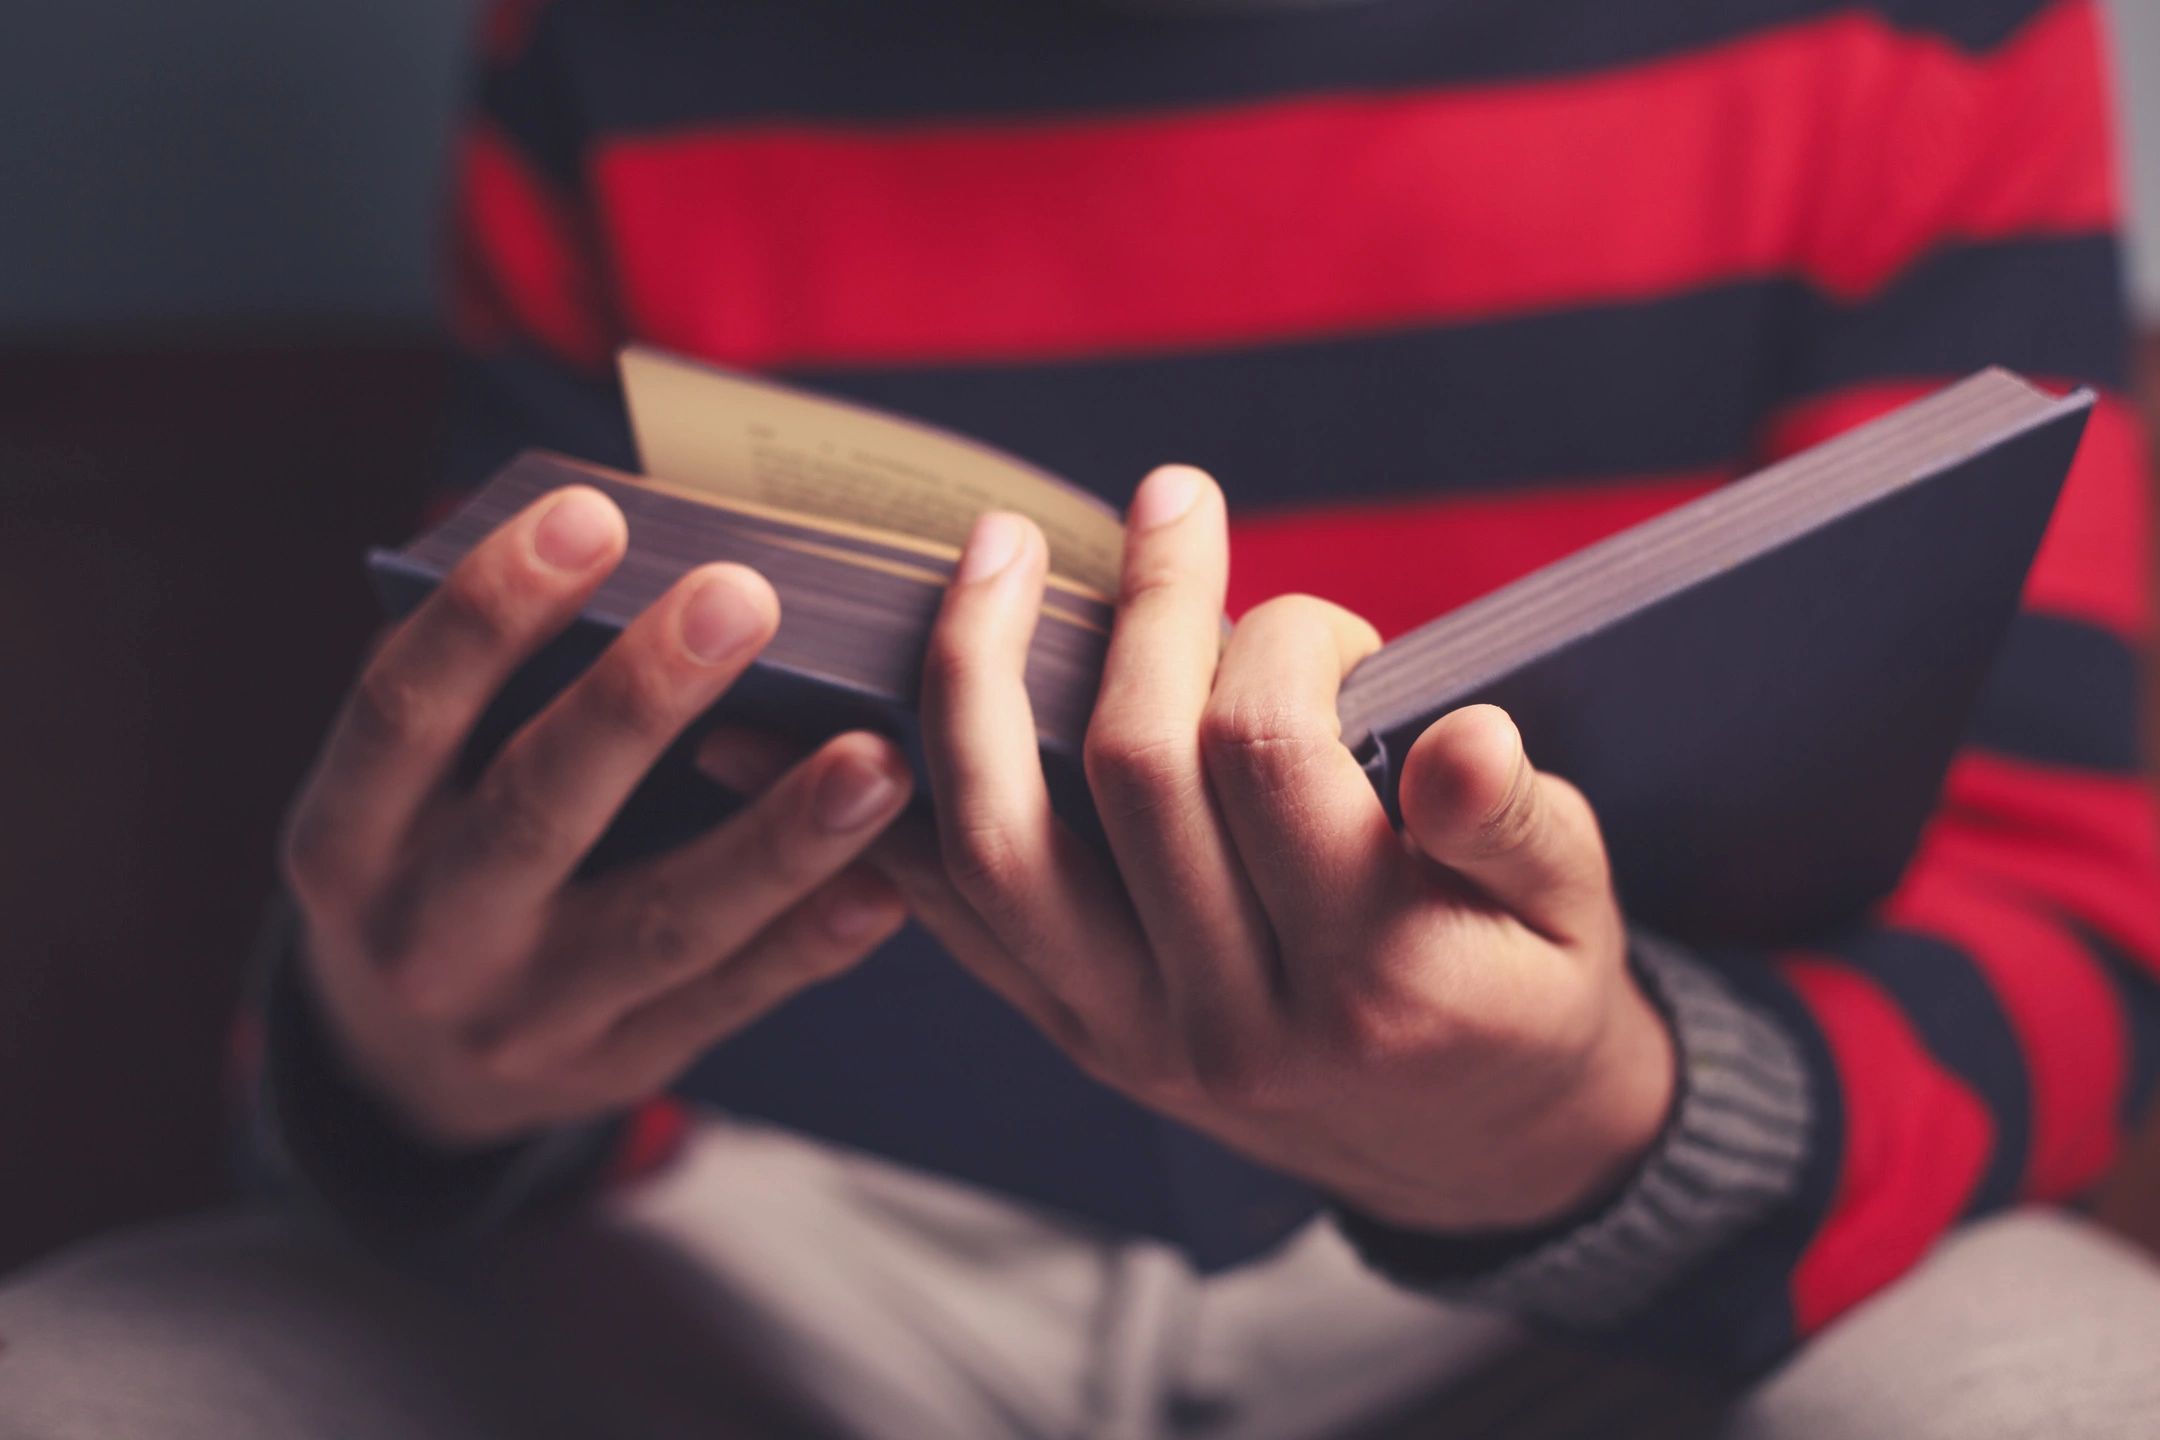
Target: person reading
{"type": "Point", "coordinates": [1429, 293]}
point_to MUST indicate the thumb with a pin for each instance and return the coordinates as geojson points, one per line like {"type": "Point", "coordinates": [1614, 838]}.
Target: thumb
{"type": "Point", "coordinates": [1472, 801]}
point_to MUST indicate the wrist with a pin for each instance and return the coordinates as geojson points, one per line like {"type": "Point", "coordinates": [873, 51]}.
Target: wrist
{"type": "Point", "coordinates": [1727, 1157]}
{"type": "Point", "coordinates": [332, 1139]}
{"type": "Point", "coordinates": [381, 1062]}
{"type": "Point", "coordinates": [1586, 1142]}
{"type": "Point", "coordinates": [1611, 1119]}
{"type": "Point", "coordinates": [1559, 1156]}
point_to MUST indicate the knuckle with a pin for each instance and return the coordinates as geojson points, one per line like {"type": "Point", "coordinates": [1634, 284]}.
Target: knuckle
{"type": "Point", "coordinates": [478, 604]}
{"type": "Point", "coordinates": [1247, 732]}
{"type": "Point", "coordinates": [396, 948]}
{"type": "Point", "coordinates": [518, 828]}
{"type": "Point", "coordinates": [982, 858]}
{"type": "Point", "coordinates": [1147, 577]}
{"type": "Point", "coordinates": [389, 710]}
{"type": "Point", "coordinates": [1132, 774]}
{"type": "Point", "coordinates": [659, 933]}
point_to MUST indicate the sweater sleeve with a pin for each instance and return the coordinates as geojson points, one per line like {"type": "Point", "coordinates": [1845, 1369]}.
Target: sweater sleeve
{"type": "Point", "coordinates": [533, 349]}
{"type": "Point", "coordinates": [1991, 1038]}
{"type": "Point", "coordinates": [1993, 1032]}
{"type": "Point", "coordinates": [532, 316]}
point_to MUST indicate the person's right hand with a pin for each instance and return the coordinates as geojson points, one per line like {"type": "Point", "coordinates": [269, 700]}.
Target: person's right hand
{"type": "Point", "coordinates": [468, 979]}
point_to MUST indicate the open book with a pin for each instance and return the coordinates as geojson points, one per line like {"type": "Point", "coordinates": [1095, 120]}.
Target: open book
{"type": "Point", "coordinates": [1759, 691]}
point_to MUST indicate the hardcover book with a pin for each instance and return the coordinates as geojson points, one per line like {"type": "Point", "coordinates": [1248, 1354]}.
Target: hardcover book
{"type": "Point", "coordinates": [1760, 692]}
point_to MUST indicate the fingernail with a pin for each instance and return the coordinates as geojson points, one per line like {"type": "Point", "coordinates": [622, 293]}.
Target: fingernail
{"type": "Point", "coordinates": [991, 546]}
{"type": "Point", "coordinates": [852, 794]}
{"type": "Point", "coordinates": [1164, 496]}
{"type": "Point", "coordinates": [851, 917]}
{"type": "Point", "coordinates": [576, 531]}
{"type": "Point", "coordinates": [718, 620]}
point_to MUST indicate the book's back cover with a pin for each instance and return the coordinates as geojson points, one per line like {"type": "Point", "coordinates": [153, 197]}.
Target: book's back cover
{"type": "Point", "coordinates": [1763, 747]}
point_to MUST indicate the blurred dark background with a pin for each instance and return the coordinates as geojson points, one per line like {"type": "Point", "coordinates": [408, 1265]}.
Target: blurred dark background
{"type": "Point", "coordinates": [218, 383]}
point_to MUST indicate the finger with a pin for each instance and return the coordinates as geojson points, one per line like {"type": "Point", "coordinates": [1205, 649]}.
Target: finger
{"type": "Point", "coordinates": [1472, 801]}
{"type": "Point", "coordinates": [554, 786]}
{"type": "Point", "coordinates": [416, 701]}
{"type": "Point", "coordinates": [1204, 926]}
{"type": "Point", "coordinates": [823, 936]}
{"type": "Point", "coordinates": [907, 855]}
{"type": "Point", "coordinates": [645, 930]}
{"type": "Point", "coordinates": [747, 761]}
{"type": "Point", "coordinates": [1036, 888]}
{"type": "Point", "coordinates": [1308, 828]}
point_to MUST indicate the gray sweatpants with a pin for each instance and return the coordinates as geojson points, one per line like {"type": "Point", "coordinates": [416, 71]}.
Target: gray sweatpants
{"type": "Point", "coordinates": [766, 1286]}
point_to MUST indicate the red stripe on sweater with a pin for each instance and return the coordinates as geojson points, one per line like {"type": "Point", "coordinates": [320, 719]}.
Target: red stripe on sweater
{"type": "Point", "coordinates": [1400, 564]}
{"type": "Point", "coordinates": [2098, 552]}
{"type": "Point", "coordinates": [1916, 1142]}
{"type": "Point", "coordinates": [2060, 1005]}
{"type": "Point", "coordinates": [2086, 846]}
{"type": "Point", "coordinates": [2097, 557]}
{"type": "Point", "coordinates": [652, 1137]}
{"type": "Point", "coordinates": [1818, 148]}
{"type": "Point", "coordinates": [1928, 145]}
{"type": "Point", "coordinates": [525, 263]}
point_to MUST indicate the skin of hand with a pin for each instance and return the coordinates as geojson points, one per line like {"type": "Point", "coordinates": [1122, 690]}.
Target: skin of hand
{"type": "Point", "coordinates": [1437, 1025]}
{"type": "Point", "coordinates": [468, 977]}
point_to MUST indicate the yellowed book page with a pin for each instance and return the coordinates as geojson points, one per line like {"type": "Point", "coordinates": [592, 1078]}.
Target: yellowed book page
{"type": "Point", "coordinates": [740, 438]}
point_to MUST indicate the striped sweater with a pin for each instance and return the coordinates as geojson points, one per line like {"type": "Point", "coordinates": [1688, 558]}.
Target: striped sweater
{"type": "Point", "coordinates": [1443, 290]}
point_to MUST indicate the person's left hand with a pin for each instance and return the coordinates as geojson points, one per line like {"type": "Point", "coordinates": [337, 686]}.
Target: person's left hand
{"type": "Point", "coordinates": [1438, 1027]}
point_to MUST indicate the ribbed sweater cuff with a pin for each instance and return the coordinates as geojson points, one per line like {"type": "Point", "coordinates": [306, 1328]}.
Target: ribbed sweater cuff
{"type": "Point", "coordinates": [1730, 1154]}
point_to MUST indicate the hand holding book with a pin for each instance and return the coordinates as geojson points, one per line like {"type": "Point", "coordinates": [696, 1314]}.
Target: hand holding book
{"type": "Point", "coordinates": [1261, 955]}
{"type": "Point", "coordinates": [471, 981]}
{"type": "Point", "coordinates": [1757, 693]}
